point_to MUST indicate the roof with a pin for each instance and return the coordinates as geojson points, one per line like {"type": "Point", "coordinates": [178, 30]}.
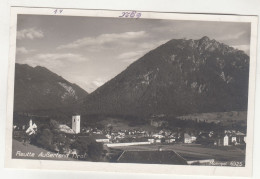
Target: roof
{"type": "Point", "coordinates": [187, 136]}
{"type": "Point", "coordinates": [152, 157]}
{"type": "Point", "coordinates": [240, 133]}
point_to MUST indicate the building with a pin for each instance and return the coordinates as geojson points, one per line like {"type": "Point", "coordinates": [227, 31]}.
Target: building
{"type": "Point", "coordinates": [66, 129]}
{"type": "Point", "coordinates": [159, 136]}
{"type": "Point", "coordinates": [234, 139]}
{"type": "Point", "coordinates": [226, 140]}
{"type": "Point", "coordinates": [170, 140]}
{"type": "Point", "coordinates": [32, 128]}
{"type": "Point", "coordinates": [152, 157]}
{"type": "Point", "coordinates": [76, 124]}
{"type": "Point", "coordinates": [231, 138]}
{"type": "Point", "coordinates": [193, 138]}
{"type": "Point", "coordinates": [158, 140]}
{"type": "Point", "coordinates": [240, 138]}
{"type": "Point", "coordinates": [151, 140]}
{"type": "Point", "coordinates": [109, 136]}
{"type": "Point", "coordinates": [187, 139]}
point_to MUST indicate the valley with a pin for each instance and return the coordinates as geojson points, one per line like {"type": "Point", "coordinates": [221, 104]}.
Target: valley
{"type": "Point", "coordinates": [187, 96]}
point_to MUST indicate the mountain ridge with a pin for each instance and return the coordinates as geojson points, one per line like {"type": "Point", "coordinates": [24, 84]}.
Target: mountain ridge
{"type": "Point", "coordinates": [176, 78]}
{"type": "Point", "coordinates": [38, 88]}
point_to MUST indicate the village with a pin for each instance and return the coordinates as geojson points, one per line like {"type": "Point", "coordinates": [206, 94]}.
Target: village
{"type": "Point", "coordinates": [111, 138]}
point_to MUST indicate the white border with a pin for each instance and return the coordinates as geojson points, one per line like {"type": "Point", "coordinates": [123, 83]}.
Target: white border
{"type": "Point", "coordinates": [131, 168]}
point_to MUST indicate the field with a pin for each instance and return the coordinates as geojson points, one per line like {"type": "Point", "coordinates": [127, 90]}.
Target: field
{"type": "Point", "coordinates": [197, 152]}
{"type": "Point", "coordinates": [121, 124]}
{"type": "Point", "coordinates": [224, 117]}
{"type": "Point", "coordinates": [28, 151]}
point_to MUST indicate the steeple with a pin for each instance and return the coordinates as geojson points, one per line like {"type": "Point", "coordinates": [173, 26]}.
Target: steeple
{"type": "Point", "coordinates": [76, 124]}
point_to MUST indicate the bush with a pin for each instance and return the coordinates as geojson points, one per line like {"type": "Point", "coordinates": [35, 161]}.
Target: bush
{"type": "Point", "coordinates": [95, 151]}
{"type": "Point", "coordinates": [90, 147]}
{"type": "Point", "coordinates": [80, 144]}
{"type": "Point", "coordinates": [44, 139]}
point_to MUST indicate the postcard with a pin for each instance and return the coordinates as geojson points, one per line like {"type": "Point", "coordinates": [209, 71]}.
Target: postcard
{"type": "Point", "coordinates": [131, 91]}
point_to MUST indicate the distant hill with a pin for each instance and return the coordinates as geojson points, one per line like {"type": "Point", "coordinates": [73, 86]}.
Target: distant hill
{"type": "Point", "coordinates": [40, 89]}
{"type": "Point", "coordinates": [217, 116]}
{"type": "Point", "coordinates": [177, 78]}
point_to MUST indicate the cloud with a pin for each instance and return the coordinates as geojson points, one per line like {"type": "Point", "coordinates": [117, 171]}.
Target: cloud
{"type": "Point", "coordinates": [93, 84]}
{"type": "Point", "coordinates": [60, 56]}
{"type": "Point", "coordinates": [30, 33]}
{"type": "Point", "coordinates": [53, 60]}
{"type": "Point", "coordinates": [23, 50]}
{"type": "Point", "coordinates": [141, 49]}
{"type": "Point", "coordinates": [99, 82]}
{"type": "Point", "coordinates": [129, 57]}
{"type": "Point", "coordinates": [152, 44]}
{"type": "Point", "coordinates": [232, 36]}
{"type": "Point", "coordinates": [104, 39]}
{"type": "Point", "coordinates": [245, 48]}
{"type": "Point", "coordinates": [129, 54]}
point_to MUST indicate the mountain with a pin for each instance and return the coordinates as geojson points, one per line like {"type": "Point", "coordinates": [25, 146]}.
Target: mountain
{"type": "Point", "coordinates": [179, 77]}
{"type": "Point", "coordinates": [40, 89]}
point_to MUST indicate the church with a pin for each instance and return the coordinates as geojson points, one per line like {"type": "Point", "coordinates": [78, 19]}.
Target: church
{"type": "Point", "coordinates": [76, 124]}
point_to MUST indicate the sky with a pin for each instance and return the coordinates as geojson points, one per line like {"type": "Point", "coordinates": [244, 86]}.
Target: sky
{"type": "Point", "coordinates": [89, 51]}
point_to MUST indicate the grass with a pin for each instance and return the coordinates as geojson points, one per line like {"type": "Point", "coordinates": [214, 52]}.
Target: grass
{"type": "Point", "coordinates": [196, 152]}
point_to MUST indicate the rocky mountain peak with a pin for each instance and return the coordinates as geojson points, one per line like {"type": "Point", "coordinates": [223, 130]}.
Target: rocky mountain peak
{"type": "Point", "coordinates": [204, 39]}
{"type": "Point", "coordinates": [178, 77]}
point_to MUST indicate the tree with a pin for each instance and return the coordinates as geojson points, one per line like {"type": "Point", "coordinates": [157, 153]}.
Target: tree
{"type": "Point", "coordinates": [44, 139]}
{"type": "Point", "coordinates": [90, 147]}
{"type": "Point", "coordinates": [95, 151]}
{"type": "Point", "coordinates": [61, 141]}
{"type": "Point", "coordinates": [54, 124]}
{"type": "Point", "coordinates": [81, 144]}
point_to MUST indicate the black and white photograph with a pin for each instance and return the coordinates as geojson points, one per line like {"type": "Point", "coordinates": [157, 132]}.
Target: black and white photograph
{"type": "Point", "coordinates": [131, 89]}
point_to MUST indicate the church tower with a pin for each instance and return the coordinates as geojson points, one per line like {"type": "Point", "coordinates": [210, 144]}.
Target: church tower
{"type": "Point", "coordinates": [30, 123]}
{"type": "Point", "coordinates": [76, 124]}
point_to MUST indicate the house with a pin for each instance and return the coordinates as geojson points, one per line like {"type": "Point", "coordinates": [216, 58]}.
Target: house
{"type": "Point", "coordinates": [32, 128]}
{"type": "Point", "coordinates": [159, 136]}
{"type": "Point", "coordinates": [151, 140]}
{"type": "Point", "coordinates": [211, 133]}
{"type": "Point", "coordinates": [158, 141]}
{"type": "Point", "coordinates": [152, 157]}
{"type": "Point", "coordinates": [170, 140]}
{"type": "Point", "coordinates": [233, 139]}
{"type": "Point", "coordinates": [108, 136]}
{"type": "Point", "coordinates": [226, 140]}
{"type": "Point", "coordinates": [230, 137]}
{"type": "Point", "coordinates": [66, 129]}
{"type": "Point", "coordinates": [240, 137]}
{"type": "Point", "coordinates": [193, 138]}
{"type": "Point", "coordinates": [161, 132]}
{"type": "Point", "coordinates": [187, 138]}
{"type": "Point", "coordinates": [236, 138]}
